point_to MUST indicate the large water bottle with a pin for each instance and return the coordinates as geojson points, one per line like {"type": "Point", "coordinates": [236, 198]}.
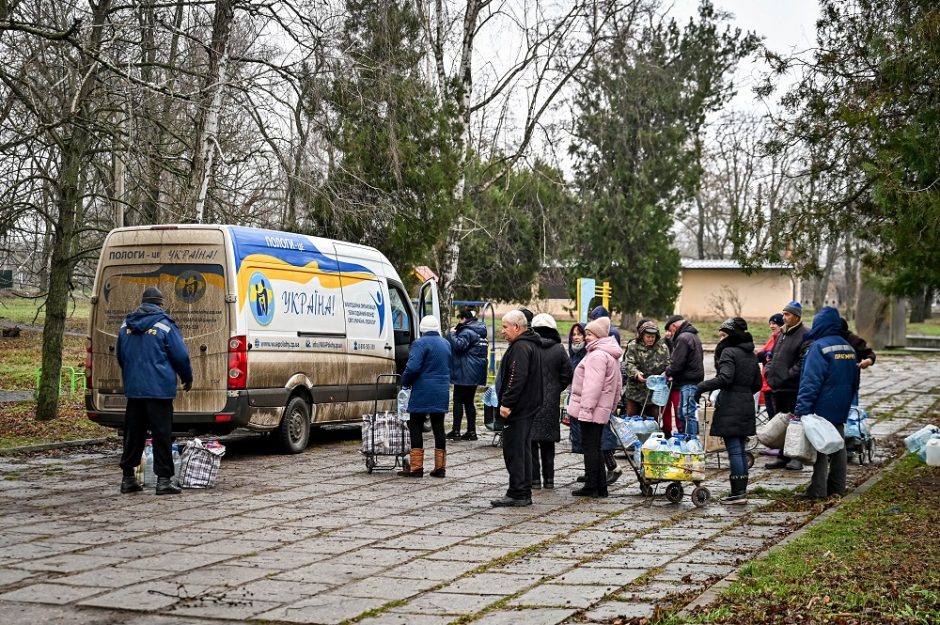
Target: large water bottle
{"type": "Point", "coordinates": [676, 444]}
{"type": "Point", "coordinates": [404, 396]}
{"type": "Point", "coordinates": [916, 441]}
{"type": "Point", "coordinates": [650, 424]}
{"type": "Point", "coordinates": [693, 445]}
{"type": "Point", "coordinates": [150, 478]}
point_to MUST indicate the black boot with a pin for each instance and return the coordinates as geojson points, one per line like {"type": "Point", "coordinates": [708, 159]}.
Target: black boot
{"type": "Point", "coordinates": [166, 487]}
{"type": "Point", "coordinates": [129, 484]}
{"type": "Point", "coordinates": [738, 494]}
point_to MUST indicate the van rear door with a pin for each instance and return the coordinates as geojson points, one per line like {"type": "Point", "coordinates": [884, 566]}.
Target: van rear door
{"type": "Point", "coordinates": [188, 266]}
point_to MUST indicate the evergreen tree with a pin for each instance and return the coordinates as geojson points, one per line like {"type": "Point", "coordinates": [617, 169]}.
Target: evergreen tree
{"type": "Point", "coordinates": [868, 111]}
{"type": "Point", "coordinates": [512, 233]}
{"type": "Point", "coordinates": [642, 106]}
{"type": "Point", "coordinates": [393, 162]}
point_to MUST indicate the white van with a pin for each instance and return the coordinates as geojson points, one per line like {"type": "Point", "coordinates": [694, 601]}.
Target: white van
{"type": "Point", "coordinates": [284, 330]}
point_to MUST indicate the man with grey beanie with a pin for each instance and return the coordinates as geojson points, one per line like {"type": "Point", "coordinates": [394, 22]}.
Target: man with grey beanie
{"type": "Point", "coordinates": [783, 371]}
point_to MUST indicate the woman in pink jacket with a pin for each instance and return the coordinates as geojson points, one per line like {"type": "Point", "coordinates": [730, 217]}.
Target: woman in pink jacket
{"type": "Point", "coordinates": [595, 392]}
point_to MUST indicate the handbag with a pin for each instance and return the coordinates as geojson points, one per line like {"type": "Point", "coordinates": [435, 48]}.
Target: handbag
{"type": "Point", "coordinates": [822, 435]}
{"type": "Point", "coordinates": [797, 446]}
{"type": "Point", "coordinates": [773, 433]}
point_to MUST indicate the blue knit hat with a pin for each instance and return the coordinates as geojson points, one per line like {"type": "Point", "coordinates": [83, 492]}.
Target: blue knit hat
{"type": "Point", "coordinates": [794, 308]}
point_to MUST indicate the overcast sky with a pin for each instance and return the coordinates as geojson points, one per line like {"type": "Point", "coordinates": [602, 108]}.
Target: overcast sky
{"type": "Point", "coordinates": [787, 26]}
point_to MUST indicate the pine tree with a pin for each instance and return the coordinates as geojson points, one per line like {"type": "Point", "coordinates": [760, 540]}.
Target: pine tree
{"type": "Point", "coordinates": [393, 158]}
{"type": "Point", "coordinates": [642, 107]}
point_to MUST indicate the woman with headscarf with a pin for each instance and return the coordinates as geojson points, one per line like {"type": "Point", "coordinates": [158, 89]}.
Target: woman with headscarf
{"type": "Point", "coordinates": [737, 378]}
{"type": "Point", "coordinates": [763, 357]}
{"type": "Point", "coordinates": [646, 356]}
{"type": "Point", "coordinates": [428, 374]}
{"type": "Point", "coordinates": [595, 392]}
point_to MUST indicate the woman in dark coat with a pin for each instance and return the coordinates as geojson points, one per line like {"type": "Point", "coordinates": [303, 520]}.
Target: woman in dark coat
{"type": "Point", "coordinates": [468, 371]}
{"type": "Point", "coordinates": [738, 378]}
{"type": "Point", "coordinates": [428, 375]}
{"type": "Point", "coordinates": [556, 376]}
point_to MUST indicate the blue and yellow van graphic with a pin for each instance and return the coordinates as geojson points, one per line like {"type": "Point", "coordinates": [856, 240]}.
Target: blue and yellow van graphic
{"type": "Point", "coordinates": [280, 255]}
{"type": "Point", "coordinates": [261, 298]}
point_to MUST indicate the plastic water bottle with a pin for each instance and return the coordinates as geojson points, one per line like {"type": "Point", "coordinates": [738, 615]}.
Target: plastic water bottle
{"type": "Point", "coordinates": [916, 441]}
{"type": "Point", "coordinates": [638, 454]}
{"type": "Point", "coordinates": [693, 445]}
{"type": "Point", "coordinates": [150, 478]}
{"type": "Point", "coordinates": [177, 459]}
{"type": "Point", "coordinates": [677, 444]}
{"type": "Point", "coordinates": [404, 396]}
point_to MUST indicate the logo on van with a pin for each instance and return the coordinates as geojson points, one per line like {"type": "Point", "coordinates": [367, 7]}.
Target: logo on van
{"type": "Point", "coordinates": [190, 286]}
{"type": "Point", "coordinates": [261, 298]}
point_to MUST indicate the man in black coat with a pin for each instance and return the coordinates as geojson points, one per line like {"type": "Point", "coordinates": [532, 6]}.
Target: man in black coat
{"type": "Point", "coordinates": [686, 369]}
{"type": "Point", "coordinates": [556, 376]}
{"type": "Point", "coordinates": [783, 371]}
{"type": "Point", "coordinates": [520, 399]}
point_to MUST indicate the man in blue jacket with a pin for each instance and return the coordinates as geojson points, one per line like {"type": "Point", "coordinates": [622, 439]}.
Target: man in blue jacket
{"type": "Point", "coordinates": [468, 370]}
{"type": "Point", "coordinates": [828, 383]}
{"type": "Point", "coordinates": [151, 352]}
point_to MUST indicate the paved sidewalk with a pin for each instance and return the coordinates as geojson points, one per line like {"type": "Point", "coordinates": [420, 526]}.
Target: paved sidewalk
{"type": "Point", "coordinates": [313, 538]}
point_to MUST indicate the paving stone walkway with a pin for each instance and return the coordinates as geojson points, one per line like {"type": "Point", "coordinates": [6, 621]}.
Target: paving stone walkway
{"type": "Point", "coordinates": [313, 538]}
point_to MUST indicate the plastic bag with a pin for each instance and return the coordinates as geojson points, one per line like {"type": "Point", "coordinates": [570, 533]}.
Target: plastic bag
{"type": "Point", "coordinates": [796, 445]}
{"type": "Point", "coordinates": [200, 464]}
{"type": "Point", "coordinates": [624, 432]}
{"type": "Point", "coordinates": [822, 435]}
{"type": "Point", "coordinates": [774, 433]}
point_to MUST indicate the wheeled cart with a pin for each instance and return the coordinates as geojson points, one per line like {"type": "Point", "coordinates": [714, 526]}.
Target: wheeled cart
{"type": "Point", "coordinates": [384, 434]}
{"type": "Point", "coordinates": [673, 468]}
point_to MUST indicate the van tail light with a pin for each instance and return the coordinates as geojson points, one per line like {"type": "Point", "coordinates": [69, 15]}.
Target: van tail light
{"type": "Point", "coordinates": [87, 362]}
{"type": "Point", "coordinates": [237, 363]}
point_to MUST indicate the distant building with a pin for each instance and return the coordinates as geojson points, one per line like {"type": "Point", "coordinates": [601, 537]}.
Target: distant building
{"type": "Point", "coordinates": [714, 289]}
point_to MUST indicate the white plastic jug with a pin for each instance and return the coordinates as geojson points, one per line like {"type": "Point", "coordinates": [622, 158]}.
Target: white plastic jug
{"type": "Point", "coordinates": [654, 440]}
{"type": "Point", "coordinates": [933, 451]}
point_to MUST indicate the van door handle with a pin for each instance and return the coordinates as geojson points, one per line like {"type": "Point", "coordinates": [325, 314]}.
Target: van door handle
{"type": "Point", "coordinates": [388, 347]}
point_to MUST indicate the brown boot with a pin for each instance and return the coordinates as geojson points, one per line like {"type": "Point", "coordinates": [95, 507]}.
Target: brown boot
{"type": "Point", "coordinates": [415, 467]}
{"type": "Point", "coordinates": [440, 463]}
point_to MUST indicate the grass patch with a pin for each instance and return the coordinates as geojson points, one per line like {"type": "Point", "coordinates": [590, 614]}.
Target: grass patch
{"type": "Point", "coordinates": [875, 560]}
{"type": "Point", "coordinates": [25, 311]}
{"type": "Point", "coordinates": [930, 327]}
{"type": "Point", "coordinates": [19, 359]}
{"type": "Point", "coordinates": [19, 427]}
{"type": "Point", "coordinates": [21, 356]}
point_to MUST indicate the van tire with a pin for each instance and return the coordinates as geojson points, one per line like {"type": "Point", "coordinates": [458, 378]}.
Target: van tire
{"type": "Point", "coordinates": [293, 433]}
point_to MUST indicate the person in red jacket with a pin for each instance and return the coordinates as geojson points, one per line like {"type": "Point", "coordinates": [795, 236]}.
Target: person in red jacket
{"type": "Point", "coordinates": [763, 357]}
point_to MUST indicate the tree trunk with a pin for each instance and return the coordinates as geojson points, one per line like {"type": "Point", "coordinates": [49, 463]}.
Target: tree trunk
{"type": "Point", "coordinates": [210, 103]}
{"type": "Point", "coordinates": [920, 306]}
{"type": "Point", "coordinates": [74, 154]}
{"type": "Point", "coordinates": [850, 264]}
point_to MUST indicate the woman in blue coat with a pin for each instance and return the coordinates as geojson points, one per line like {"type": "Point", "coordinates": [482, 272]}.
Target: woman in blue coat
{"type": "Point", "coordinates": [428, 375]}
{"type": "Point", "coordinates": [469, 345]}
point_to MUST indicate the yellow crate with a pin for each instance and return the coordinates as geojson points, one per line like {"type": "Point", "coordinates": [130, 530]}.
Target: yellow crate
{"type": "Point", "coordinates": [667, 465]}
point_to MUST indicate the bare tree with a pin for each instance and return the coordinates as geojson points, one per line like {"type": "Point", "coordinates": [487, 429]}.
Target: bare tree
{"type": "Point", "coordinates": [554, 46]}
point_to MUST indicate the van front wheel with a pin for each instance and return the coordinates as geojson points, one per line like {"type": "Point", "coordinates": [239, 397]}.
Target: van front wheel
{"type": "Point", "coordinates": [293, 433]}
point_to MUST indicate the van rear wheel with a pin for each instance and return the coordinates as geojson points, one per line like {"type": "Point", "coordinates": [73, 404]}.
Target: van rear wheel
{"type": "Point", "coordinates": [293, 433]}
